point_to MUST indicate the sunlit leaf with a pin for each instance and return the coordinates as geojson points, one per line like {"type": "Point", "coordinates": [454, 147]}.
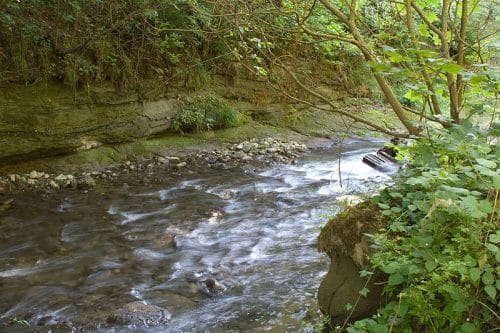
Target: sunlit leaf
{"type": "Point", "coordinates": [491, 291]}
{"type": "Point", "coordinates": [451, 68]}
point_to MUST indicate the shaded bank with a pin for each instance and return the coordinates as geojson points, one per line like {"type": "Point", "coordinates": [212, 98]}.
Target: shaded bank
{"type": "Point", "coordinates": [343, 294]}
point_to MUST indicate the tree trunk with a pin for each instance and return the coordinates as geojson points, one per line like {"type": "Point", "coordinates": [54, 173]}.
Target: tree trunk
{"type": "Point", "coordinates": [349, 21]}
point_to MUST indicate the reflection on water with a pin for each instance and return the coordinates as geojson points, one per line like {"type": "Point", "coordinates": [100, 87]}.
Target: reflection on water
{"type": "Point", "coordinates": [76, 256]}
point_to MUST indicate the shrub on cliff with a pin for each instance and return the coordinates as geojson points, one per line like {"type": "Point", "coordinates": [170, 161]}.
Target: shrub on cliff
{"type": "Point", "coordinates": [440, 246]}
{"type": "Point", "coordinates": [202, 113]}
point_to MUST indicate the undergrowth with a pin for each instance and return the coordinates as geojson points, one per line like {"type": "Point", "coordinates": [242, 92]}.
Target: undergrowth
{"type": "Point", "coordinates": [202, 113]}
{"type": "Point", "coordinates": [440, 246]}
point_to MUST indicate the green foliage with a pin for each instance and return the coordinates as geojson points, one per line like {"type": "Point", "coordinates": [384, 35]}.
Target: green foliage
{"type": "Point", "coordinates": [201, 113]}
{"type": "Point", "coordinates": [78, 42]}
{"type": "Point", "coordinates": [440, 248]}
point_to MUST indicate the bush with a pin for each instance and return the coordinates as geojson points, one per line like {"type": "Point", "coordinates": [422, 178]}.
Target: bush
{"type": "Point", "coordinates": [202, 113]}
{"type": "Point", "coordinates": [440, 247]}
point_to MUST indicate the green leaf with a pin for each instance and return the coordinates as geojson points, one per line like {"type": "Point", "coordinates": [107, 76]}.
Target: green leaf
{"type": "Point", "coordinates": [456, 190]}
{"type": "Point", "coordinates": [451, 68]}
{"type": "Point", "coordinates": [495, 238]}
{"type": "Point", "coordinates": [412, 208]}
{"type": "Point", "coordinates": [469, 328]}
{"type": "Point", "coordinates": [432, 16]}
{"type": "Point", "coordinates": [396, 279]}
{"type": "Point", "coordinates": [417, 181]}
{"type": "Point", "coordinates": [485, 206]}
{"type": "Point", "coordinates": [413, 269]}
{"type": "Point", "coordinates": [459, 307]}
{"type": "Point", "coordinates": [496, 181]}
{"type": "Point", "coordinates": [396, 210]}
{"type": "Point", "coordinates": [364, 292]}
{"type": "Point", "coordinates": [486, 163]}
{"type": "Point", "coordinates": [380, 328]}
{"type": "Point", "coordinates": [472, 206]}
{"type": "Point", "coordinates": [475, 274]}
{"type": "Point", "coordinates": [491, 291]}
{"type": "Point", "coordinates": [485, 171]}
{"type": "Point", "coordinates": [488, 278]}
{"type": "Point", "coordinates": [380, 67]}
{"type": "Point", "coordinates": [390, 268]}
{"type": "Point", "coordinates": [430, 265]}
{"type": "Point", "coordinates": [394, 56]}
{"type": "Point", "coordinates": [492, 248]}
{"type": "Point", "coordinates": [478, 78]}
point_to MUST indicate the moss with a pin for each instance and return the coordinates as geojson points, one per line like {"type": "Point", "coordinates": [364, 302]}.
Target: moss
{"type": "Point", "coordinates": [100, 156]}
{"type": "Point", "coordinates": [346, 231]}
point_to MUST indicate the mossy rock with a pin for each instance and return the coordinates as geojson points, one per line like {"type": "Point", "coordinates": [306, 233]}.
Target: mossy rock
{"type": "Point", "coordinates": [344, 240]}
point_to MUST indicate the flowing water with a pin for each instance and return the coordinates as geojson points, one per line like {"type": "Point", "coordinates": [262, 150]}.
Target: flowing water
{"type": "Point", "coordinates": [75, 257]}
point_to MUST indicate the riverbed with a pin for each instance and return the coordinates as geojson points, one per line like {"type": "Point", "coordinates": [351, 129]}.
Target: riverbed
{"type": "Point", "coordinates": [222, 249]}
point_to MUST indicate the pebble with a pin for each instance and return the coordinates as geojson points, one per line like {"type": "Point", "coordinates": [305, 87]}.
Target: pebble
{"type": "Point", "coordinates": [263, 150]}
{"type": "Point", "coordinates": [180, 165]}
{"type": "Point", "coordinates": [266, 150]}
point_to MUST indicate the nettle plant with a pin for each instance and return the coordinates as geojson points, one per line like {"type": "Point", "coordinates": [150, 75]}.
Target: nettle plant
{"type": "Point", "coordinates": [440, 248]}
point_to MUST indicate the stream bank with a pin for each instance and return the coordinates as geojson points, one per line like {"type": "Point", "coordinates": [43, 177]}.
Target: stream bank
{"type": "Point", "coordinates": [52, 128]}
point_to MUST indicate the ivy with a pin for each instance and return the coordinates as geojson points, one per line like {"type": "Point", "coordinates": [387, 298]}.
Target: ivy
{"type": "Point", "coordinates": [440, 247]}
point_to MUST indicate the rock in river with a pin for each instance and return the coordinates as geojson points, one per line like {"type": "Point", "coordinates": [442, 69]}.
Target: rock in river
{"type": "Point", "coordinates": [140, 314]}
{"type": "Point", "coordinates": [86, 182]}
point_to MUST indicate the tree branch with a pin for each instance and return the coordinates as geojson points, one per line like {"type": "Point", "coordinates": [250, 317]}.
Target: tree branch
{"type": "Point", "coordinates": [426, 20]}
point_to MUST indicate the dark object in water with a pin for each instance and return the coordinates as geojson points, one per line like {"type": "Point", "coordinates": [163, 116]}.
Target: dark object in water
{"type": "Point", "coordinates": [383, 161]}
{"type": "Point", "coordinates": [378, 162]}
{"type": "Point", "coordinates": [388, 153]}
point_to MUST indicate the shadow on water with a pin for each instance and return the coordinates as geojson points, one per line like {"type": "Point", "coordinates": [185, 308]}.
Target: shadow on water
{"type": "Point", "coordinates": [75, 257]}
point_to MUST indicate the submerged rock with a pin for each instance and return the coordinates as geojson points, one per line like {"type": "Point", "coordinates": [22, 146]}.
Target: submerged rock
{"type": "Point", "coordinates": [140, 314]}
{"type": "Point", "coordinates": [214, 287]}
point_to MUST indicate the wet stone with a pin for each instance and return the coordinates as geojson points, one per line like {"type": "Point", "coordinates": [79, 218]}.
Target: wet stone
{"type": "Point", "coordinates": [180, 165]}
{"type": "Point", "coordinates": [86, 182]}
{"type": "Point", "coordinates": [140, 314]}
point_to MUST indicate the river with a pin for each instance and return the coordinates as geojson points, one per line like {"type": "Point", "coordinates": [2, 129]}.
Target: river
{"type": "Point", "coordinates": [70, 259]}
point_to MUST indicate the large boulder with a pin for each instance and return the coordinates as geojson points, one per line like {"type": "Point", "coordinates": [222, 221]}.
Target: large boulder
{"type": "Point", "coordinates": [344, 240]}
